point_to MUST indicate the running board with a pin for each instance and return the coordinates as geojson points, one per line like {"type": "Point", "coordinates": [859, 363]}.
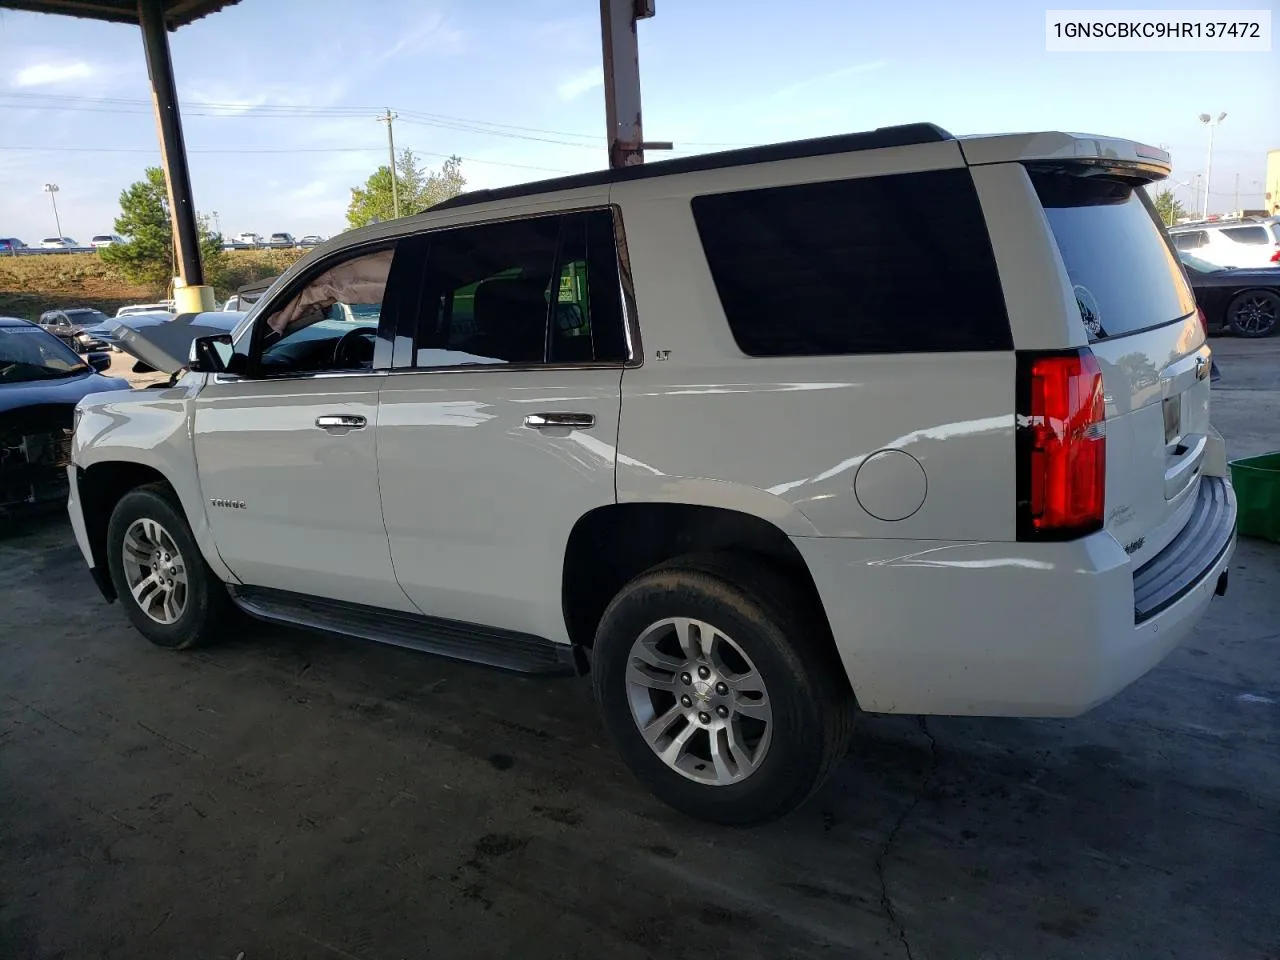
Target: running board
{"type": "Point", "coordinates": [491, 646]}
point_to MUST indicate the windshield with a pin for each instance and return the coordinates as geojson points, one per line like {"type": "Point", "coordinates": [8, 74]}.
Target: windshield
{"type": "Point", "coordinates": [28, 353]}
{"type": "Point", "coordinates": [87, 317]}
{"type": "Point", "coordinates": [1198, 265]}
{"type": "Point", "coordinates": [1122, 268]}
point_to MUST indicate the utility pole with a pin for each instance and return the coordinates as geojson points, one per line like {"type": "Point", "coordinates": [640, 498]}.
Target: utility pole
{"type": "Point", "coordinates": [391, 150]}
{"type": "Point", "coordinates": [622, 81]}
{"type": "Point", "coordinates": [52, 190]}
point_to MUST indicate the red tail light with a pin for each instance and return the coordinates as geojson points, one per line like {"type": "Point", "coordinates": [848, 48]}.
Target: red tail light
{"type": "Point", "coordinates": [1275, 257]}
{"type": "Point", "coordinates": [1062, 445]}
{"type": "Point", "coordinates": [1204, 321]}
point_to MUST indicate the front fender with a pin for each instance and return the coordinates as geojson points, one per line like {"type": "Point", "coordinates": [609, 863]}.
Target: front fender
{"type": "Point", "coordinates": [151, 428]}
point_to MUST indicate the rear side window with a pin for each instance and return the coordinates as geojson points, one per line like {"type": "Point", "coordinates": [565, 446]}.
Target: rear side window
{"type": "Point", "coordinates": [1256, 234]}
{"type": "Point", "coordinates": [538, 290]}
{"type": "Point", "coordinates": [895, 264]}
{"type": "Point", "coordinates": [1126, 277]}
{"type": "Point", "coordinates": [1191, 240]}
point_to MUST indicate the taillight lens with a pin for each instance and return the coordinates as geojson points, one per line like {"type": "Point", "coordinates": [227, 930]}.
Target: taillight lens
{"type": "Point", "coordinates": [1062, 445]}
{"type": "Point", "coordinates": [1275, 257]}
{"type": "Point", "coordinates": [1204, 321]}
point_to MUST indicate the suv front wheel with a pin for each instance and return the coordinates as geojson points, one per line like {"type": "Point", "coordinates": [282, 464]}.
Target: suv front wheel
{"type": "Point", "coordinates": [719, 685]}
{"type": "Point", "coordinates": [167, 590]}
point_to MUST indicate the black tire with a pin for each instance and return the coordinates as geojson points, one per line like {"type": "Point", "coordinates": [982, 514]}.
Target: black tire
{"type": "Point", "coordinates": [1254, 314]}
{"type": "Point", "coordinates": [207, 604]}
{"type": "Point", "coordinates": [778, 626]}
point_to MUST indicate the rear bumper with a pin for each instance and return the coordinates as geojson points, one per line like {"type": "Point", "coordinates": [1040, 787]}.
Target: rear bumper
{"type": "Point", "coordinates": [1011, 629]}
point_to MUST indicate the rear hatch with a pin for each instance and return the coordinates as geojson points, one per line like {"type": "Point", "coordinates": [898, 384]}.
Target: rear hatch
{"type": "Point", "coordinates": [1147, 337]}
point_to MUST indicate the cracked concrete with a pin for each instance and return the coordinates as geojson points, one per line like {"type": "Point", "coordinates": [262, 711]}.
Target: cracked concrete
{"type": "Point", "coordinates": [886, 901]}
{"type": "Point", "coordinates": [296, 796]}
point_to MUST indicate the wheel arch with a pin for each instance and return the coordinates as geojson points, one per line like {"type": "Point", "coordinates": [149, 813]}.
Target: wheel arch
{"type": "Point", "coordinates": [103, 483]}
{"type": "Point", "coordinates": [613, 544]}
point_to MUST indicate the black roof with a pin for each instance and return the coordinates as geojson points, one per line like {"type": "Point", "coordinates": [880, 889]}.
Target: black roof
{"type": "Point", "coordinates": [900, 136]}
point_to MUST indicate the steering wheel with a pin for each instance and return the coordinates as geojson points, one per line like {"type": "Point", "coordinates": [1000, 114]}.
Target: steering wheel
{"type": "Point", "coordinates": [347, 341]}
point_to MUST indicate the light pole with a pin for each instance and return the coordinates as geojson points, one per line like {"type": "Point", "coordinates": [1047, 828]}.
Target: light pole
{"type": "Point", "coordinates": [1210, 122]}
{"type": "Point", "coordinates": [52, 189]}
{"type": "Point", "coordinates": [217, 224]}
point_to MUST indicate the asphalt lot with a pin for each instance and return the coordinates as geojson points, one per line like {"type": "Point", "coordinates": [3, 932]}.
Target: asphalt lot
{"type": "Point", "coordinates": [297, 796]}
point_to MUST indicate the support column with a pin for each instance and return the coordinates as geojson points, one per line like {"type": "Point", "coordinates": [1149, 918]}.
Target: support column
{"type": "Point", "coordinates": [622, 80]}
{"type": "Point", "coordinates": [190, 292]}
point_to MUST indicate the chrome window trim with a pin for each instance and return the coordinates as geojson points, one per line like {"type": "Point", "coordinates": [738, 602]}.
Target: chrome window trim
{"type": "Point", "coordinates": [514, 367]}
{"type": "Point", "coordinates": [300, 375]}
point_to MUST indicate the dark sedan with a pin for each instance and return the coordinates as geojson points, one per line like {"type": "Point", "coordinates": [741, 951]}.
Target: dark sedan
{"type": "Point", "coordinates": [1246, 302]}
{"type": "Point", "coordinates": [41, 381]}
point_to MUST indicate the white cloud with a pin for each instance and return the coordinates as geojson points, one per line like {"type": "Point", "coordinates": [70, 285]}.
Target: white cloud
{"type": "Point", "coordinates": [580, 83]}
{"type": "Point", "coordinates": [792, 89]}
{"type": "Point", "coordinates": [40, 74]}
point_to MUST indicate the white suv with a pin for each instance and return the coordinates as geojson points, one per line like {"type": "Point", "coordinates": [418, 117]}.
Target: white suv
{"type": "Point", "coordinates": [1234, 243]}
{"type": "Point", "coordinates": [892, 421]}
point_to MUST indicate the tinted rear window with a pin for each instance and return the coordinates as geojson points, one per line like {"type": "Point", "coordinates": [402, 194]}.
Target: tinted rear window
{"type": "Point", "coordinates": [1256, 234]}
{"type": "Point", "coordinates": [1125, 275]}
{"type": "Point", "coordinates": [896, 264]}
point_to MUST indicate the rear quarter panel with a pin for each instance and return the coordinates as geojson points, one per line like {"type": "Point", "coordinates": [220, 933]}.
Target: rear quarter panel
{"type": "Point", "coordinates": [785, 438]}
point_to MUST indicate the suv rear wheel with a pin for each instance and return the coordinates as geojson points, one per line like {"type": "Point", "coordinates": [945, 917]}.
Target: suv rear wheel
{"type": "Point", "coordinates": [167, 590]}
{"type": "Point", "coordinates": [719, 685]}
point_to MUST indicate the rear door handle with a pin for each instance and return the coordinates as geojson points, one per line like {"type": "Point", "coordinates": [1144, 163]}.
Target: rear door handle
{"type": "Point", "coordinates": [572, 421]}
{"type": "Point", "coordinates": [341, 421]}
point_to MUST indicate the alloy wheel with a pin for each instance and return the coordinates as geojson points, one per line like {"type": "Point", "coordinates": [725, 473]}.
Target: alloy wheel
{"type": "Point", "coordinates": [698, 701]}
{"type": "Point", "coordinates": [155, 571]}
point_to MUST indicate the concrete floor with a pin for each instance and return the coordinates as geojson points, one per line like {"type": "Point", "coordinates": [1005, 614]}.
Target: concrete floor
{"type": "Point", "coordinates": [294, 796]}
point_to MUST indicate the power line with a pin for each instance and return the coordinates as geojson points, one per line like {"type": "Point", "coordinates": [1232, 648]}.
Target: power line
{"type": "Point", "coordinates": [232, 110]}
{"type": "Point", "coordinates": [285, 150]}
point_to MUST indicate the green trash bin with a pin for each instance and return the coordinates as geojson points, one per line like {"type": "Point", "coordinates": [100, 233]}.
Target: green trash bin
{"type": "Point", "coordinates": [1256, 481]}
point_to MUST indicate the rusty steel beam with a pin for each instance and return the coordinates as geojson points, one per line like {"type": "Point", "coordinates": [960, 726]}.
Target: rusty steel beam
{"type": "Point", "coordinates": [173, 150]}
{"type": "Point", "coordinates": [622, 80]}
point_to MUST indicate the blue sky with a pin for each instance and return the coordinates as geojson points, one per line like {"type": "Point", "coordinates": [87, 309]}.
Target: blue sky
{"type": "Point", "coordinates": [279, 95]}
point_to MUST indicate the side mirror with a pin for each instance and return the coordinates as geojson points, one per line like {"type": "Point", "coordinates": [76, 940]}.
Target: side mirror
{"type": "Point", "coordinates": [100, 361]}
{"type": "Point", "coordinates": [210, 354]}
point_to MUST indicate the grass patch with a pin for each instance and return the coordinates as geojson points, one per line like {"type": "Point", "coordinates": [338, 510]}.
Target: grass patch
{"type": "Point", "coordinates": [31, 285]}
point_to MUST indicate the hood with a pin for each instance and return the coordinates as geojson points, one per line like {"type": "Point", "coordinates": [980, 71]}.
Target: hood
{"type": "Point", "coordinates": [68, 390]}
{"type": "Point", "coordinates": [163, 341]}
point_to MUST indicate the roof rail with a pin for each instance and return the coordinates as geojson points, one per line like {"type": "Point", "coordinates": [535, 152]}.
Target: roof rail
{"type": "Point", "coordinates": [900, 136]}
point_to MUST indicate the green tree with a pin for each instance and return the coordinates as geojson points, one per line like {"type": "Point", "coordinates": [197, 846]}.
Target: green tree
{"type": "Point", "coordinates": [418, 188]}
{"type": "Point", "coordinates": [1168, 207]}
{"type": "Point", "coordinates": [147, 256]}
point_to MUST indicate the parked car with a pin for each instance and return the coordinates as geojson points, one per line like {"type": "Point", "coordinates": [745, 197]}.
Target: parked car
{"type": "Point", "coordinates": [164, 306]}
{"type": "Point", "coordinates": [282, 241]}
{"type": "Point", "coordinates": [41, 381]}
{"type": "Point", "coordinates": [105, 240]}
{"type": "Point", "coordinates": [1246, 302]}
{"type": "Point", "coordinates": [11, 245]}
{"type": "Point", "coordinates": [1231, 243]}
{"type": "Point", "coordinates": [71, 326]}
{"type": "Point", "coordinates": [691, 426]}
{"type": "Point", "coordinates": [249, 239]}
{"type": "Point", "coordinates": [311, 240]}
{"type": "Point", "coordinates": [58, 243]}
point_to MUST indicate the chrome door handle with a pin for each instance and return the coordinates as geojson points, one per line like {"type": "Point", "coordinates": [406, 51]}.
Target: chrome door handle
{"type": "Point", "coordinates": [573, 421]}
{"type": "Point", "coordinates": [341, 421]}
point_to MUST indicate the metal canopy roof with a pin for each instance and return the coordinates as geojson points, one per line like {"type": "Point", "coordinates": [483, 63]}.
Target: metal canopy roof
{"type": "Point", "coordinates": [177, 13]}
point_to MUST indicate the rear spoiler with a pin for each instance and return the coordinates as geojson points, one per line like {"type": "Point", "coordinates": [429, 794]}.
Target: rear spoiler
{"type": "Point", "coordinates": [1135, 159]}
